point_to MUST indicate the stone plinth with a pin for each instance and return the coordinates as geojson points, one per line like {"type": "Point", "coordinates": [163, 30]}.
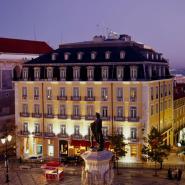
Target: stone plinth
{"type": "Point", "coordinates": [98, 168]}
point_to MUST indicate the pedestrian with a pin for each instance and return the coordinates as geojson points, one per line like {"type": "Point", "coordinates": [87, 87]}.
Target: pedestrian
{"type": "Point", "coordinates": [179, 175]}
{"type": "Point", "coordinates": [169, 173]}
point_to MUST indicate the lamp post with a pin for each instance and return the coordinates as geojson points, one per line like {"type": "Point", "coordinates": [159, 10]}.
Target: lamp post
{"type": "Point", "coordinates": [5, 141]}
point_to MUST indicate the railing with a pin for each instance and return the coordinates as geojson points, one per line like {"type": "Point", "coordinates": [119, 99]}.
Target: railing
{"type": "Point", "coordinates": [132, 99]}
{"type": "Point", "coordinates": [37, 134]}
{"type": "Point", "coordinates": [133, 140]}
{"type": "Point", "coordinates": [61, 97]}
{"type": "Point", "coordinates": [24, 133]}
{"type": "Point", "coordinates": [76, 117]}
{"type": "Point", "coordinates": [36, 115]}
{"type": "Point", "coordinates": [134, 119]}
{"type": "Point", "coordinates": [63, 135]}
{"type": "Point", "coordinates": [89, 117]}
{"type": "Point", "coordinates": [24, 114]}
{"type": "Point", "coordinates": [76, 98]}
{"type": "Point", "coordinates": [89, 98]}
{"type": "Point", "coordinates": [49, 115]}
{"type": "Point", "coordinates": [49, 134]}
{"type": "Point", "coordinates": [119, 118]}
{"type": "Point", "coordinates": [105, 118]}
{"type": "Point", "coordinates": [36, 97]}
{"type": "Point", "coordinates": [62, 116]}
{"type": "Point", "coordinates": [76, 136]}
{"type": "Point", "coordinates": [104, 98]}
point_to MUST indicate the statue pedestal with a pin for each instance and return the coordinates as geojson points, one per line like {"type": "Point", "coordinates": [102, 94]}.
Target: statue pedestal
{"type": "Point", "coordinates": [98, 168]}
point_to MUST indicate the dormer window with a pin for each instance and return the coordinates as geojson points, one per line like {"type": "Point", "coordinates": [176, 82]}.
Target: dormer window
{"type": "Point", "coordinates": [156, 56]}
{"type": "Point", "coordinates": [66, 56]}
{"type": "Point", "coordinates": [119, 72]}
{"type": "Point", "coordinates": [90, 72]}
{"type": "Point", "coordinates": [152, 55]}
{"type": "Point", "coordinates": [105, 72]}
{"type": "Point", "coordinates": [50, 73]}
{"type": "Point", "coordinates": [54, 56]}
{"type": "Point", "coordinates": [93, 55]}
{"type": "Point", "coordinates": [76, 73]}
{"type": "Point", "coordinates": [147, 55]}
{"type": "Point", "coordinates": [107, 55]}
{"type": "Point", "coordinates": [122, 54]}
{"type": "Point", "coordinates": [133, 72]}
{"type": "Point", "coordinates": [25, 73]}
{"type": "Point", "coordinates": [37, 73]}
{"type": "Point", "coordinates": [62, 73]}
{"type": "Point", "coordinates": [79, 55]}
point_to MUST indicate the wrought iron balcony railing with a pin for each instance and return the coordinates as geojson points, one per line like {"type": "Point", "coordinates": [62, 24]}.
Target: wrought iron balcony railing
{"type": "Point", "coordinates": [89, 117]}
{"type": "Point", "coordinates": [61, 97]}
{"type": "Point", "coordinates": [36, 115]}
{"type": "Point", "coordinates": [89, 98]}
{"type": "Point", "coordinates": [49, 134]}
{"type": "Point", "coordinates": [119, 118]}
{"type": "Point", "coordinates": [77, 117]}
{"type": "Point", "coordinates": [62, 116]}
{"type": "Point", "coordinates": [49, 115]}
{"type": "Point", "coordinates": [134, 119]}
{"type": "Point", "coordinates": [24, 114]}
{"type": "Point", "coordinates": [76, 98]}
{"type": "Point", "coordinates": [37, 134]}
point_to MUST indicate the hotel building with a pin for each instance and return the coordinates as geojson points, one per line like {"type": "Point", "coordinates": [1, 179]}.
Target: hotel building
{"type": "Point", "coordinates": [58, 94]}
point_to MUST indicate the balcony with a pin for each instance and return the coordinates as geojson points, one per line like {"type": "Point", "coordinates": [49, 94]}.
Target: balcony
{"type": "Point", "coordinates": [37, 134]}
{"type": "Point", "coordinates": [119, 118]}
{"type": "Point", "coordinates": [77, 117]}
{"type": "Point", "coordinates": [132, 99]}
{"type": "Point", "coordinates": [76, 136]}
{"type": "Point", "coordinates": [36, 97]}
{"type": "Point", "coordinates": [89, 117]}
{"type": "Point", "coordinates": [104, 98]}
{"type": "Point", "coordinates": [36, 115]}
{"type": "Point", "coordinates": [24, 133]}
{"type": "Point", "coordinates": [75, 98]}
{"type": "Point", "coordinates": [24, 97]}
{"type": "Point", "coordinates": [134, 119]}
{"type": "Point", "coordinates": [119, 98]}
{"type": "Point", "coordinates": [62, 116]}
{"type": "Point", "coordinates": [25, 114]}
{"type": "Point", "coordinates": [49, 116]}
{"type": "Point", "coordinates": [49, 134]}
{"type": "Point", "coordinates": [61, 97]}
{"type": "Point", "coordinates": [63, 135]}
{"type": "Point", "coordinates": [105, 118]}
{"type": "Point", "coordinates": [89, 98]}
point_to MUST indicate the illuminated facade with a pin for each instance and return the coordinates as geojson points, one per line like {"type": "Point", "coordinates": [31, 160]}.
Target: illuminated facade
{"type": "Point", "coordinates": [59, 93]}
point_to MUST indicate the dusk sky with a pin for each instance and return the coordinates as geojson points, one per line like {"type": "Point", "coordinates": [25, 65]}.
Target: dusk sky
{"type": "Point", "coordinates": [158, 23]}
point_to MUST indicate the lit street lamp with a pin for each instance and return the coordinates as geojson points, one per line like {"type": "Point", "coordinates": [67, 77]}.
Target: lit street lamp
{"type": "Point", "coordinates": [5, 141]}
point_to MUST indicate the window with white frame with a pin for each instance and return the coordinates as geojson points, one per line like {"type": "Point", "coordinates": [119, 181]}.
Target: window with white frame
{"type": "Point", "coordinates": [49, 93]}
{"type": "Point", "coordinates": [119, 130]}
{"type": "Point", "coordinates": [50, 128]}
{"type": "Point", "coordinates": [76, 130]}
{"type": "Point", "coordinates": [89, 92]}
{"type": "Point", "coordinates": [49, 109]}
{"type": "Point", "coordinates": [76, 92]}
{"type": "Point", "coordinates": [104, 111]}
{"type": "Point", "coordinates": [105, 131]}
{"type": "Point", "coordinates": [62, 110]}
{"type": "Point", "coordinates": [90, 110]}
{"type": "Point", "coordinates": [76, 110]}
{"type": "Point", "coordinates": [25, 73]}
{"type": "Point", "coordinates": [25, 108]}
{"type": "Point", "coordinates": [104, 93]}
{"type": "Point", "coordinates": [133, 94]}
{"type": "Point", "coordinates": [119, 111]}
{"type": "Point", "coordinates": [93, 55]}
{"type": "Point", "coordinates": [105, 72]}
{"type": "Point", "coordinates": [122, 54]}
{"type": "Point", "coordinates": [66, 56]}
{"type": "Point", "coordinates": [24, 91]}
{"type": "Point", "coordinates": [36, 92]}
{"type": "Point", "coordinates": [119, 72]}
{"type": "Point", "coordinates": [133, 133]}
{"type": "Point", "coordinates": [49, 73]}
{"type": "Point", "coordinates": [36, 108]}
{"type": "Point", "coordinates": [76, 73]}
{"type": "Point", "coordinates": [133, 72]}
{"type": "Point", "coordinates": [133, 112]}
{"type": "Point", "coordinates": [62, 73]}
{"type": "Point", "coordinates": [80, 55]}
{"type": "Point", "coordinates": [37, 127]}
{"type": "Point", "coordinates": [90, 73]}
{"type": "Point", "coordinates": [107, 55]}
{"type": "Point", "coordinates": [119, 93]}
{"type": "Point", "coordinates": [25, 127]}
{"type": "Point", "coordinates": [63, 129]}
{"type": "Point", "coordinates": [37, 73]}
{"type": "Point", "coordinates": [62, 92]}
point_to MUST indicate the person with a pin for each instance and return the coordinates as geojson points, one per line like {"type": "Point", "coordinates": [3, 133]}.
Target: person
{"type": "Point", "coordinates": [179, 174]}
{"type": "Point", "coordinates": [96, 129]}
{"type": "Point", "coordinates": [169, 173]}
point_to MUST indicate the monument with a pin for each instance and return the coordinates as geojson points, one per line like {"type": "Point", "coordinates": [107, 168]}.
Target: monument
{"type": "Point", "coordinates": [98, 164]}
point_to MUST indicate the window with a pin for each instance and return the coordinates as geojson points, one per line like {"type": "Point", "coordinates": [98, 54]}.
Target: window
{"type": "Point", "coordinates": [119, 130]}
{"type": "Point", "coordinates": [76, 110]}
{"type": "Point", "coordinates": [122, 54]}
{"type": "Point", "coordinates": [89, 92]}
{"type": "Point", "coordinates": [36, 92]}
{"type": "Point", "coordinates": [50, 128]}
{"type": "Point", "coordinates": [62, 73]}
{"type": "Point", "coordinates": [24, 92]}
{"type": "Point", "coordinates": [63, 129]}
{"type": "Point", "coordinates": [90, 110]}
{"type": "Point", "coordinates": [133, 133]}
{"type": "Point", "coordinates": [107, 55]}
{"type": "Point", "coordinates": [90, 73]}
{"type": "Point", "coordinates": [157, 108]}
{"type": "Point", "coordinates": [25, 108]}
{"type": "Point", "coordinates": [25, 73]}
{"type": "Point", "coordinates": [104, 94]}
{"type": "Point", "coordinates": [133, 72]}
{"type": "Point", "coordinates": [49, 93]}
{"type": "Point", "coordinates": [62, 110]}
{"type": "Point", "coordinates": [25, 127]}
{"type": "Point", "coordinates": [157, 92]}
{"type": "Point", "coordinates": [152, 110]}
{"type": "Point", "coordinates": [93, 55]}
{"type": "Point", "coordinates": [66, 56]}
{"type": "Point", "coordinates": [119, 111]}
{"type": "Point", "coordinates": [133, 94]}
{"type": "Point", "coordinates": [76, 92]}
{"type": "Point", "coordinates": [49, 109]}
{"type": "Point", "coordinates": [105, 73]}
{"type": "Point", "coordinates": [104, 111]}
{"type": "Point", "coordinates": [133, 112]}
{"type": "Point", "coordinates": [76, 73]}
{"type": "Point", "coordinates": [152, 93]}
{"type": "Point", "coordinates": [36, 108]}
{"type": "Point", "coordinates": [105, 131]}
{"type": "Point", "coordinates": [161, 90]}
{"type": "Point", "coordinates": [62, 92]}
{"type": "Point", "coordinates": [37, 73]}
{"type": "Point", "coordinates": [49, 73]}
{"type": "Point", "coordinates": [39, 149]}
{"type": "Point", "coordinates": [165, 89]}
{"type": "Point", "coordinates": [50, 150]}
{"type": "Point", "coordinates": [119, 93]}
{"type": "Point", "coordinates": [37, 128]}
{"type": "Point", "coordinates": [79, 55]}
{"type": "Point", "coordinates": [54, 56]}
{"type": "Point", "coordinates": [76, 130]}
{"type": "Point", "coordinates": [119, 72]}
{"type": "Point", "coordinates": [169, 89]}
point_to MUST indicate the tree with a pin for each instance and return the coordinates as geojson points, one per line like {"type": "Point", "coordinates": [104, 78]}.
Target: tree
{"type": "Point", "coordinates": [118, 146]}
{"type": "Point", "coordinates": [155, 148]}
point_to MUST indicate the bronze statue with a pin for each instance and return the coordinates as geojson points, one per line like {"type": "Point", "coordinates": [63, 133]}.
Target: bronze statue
{"type": "Point", "coordinates": [96, 130]}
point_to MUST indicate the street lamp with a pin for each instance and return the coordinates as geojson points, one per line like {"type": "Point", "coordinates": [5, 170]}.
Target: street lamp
{"type": "Point", "coordinates": [5, 141]}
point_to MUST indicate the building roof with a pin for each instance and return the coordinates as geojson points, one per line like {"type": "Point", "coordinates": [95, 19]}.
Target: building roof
{"type": "Point", "coordinates": [9, 45]}
{"type": "Point", "coordinates": [179, 91]}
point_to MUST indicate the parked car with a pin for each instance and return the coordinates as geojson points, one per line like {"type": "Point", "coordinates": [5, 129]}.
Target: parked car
{"type": "Point", "coordinates": [37, 158]}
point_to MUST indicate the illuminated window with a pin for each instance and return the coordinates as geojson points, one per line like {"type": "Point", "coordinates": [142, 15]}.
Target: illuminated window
{"type": "Point", "coordinates": [104, 94]}
{"type": "Point", "coordinates": [79, 55]}
{"type": "Point", "coordinates": [133, 94]}
{"type": "Point", "coordinates": [66, 56]}
{"type": "Point", "coordinates": [49, 93]}
{"type": "Point", "coordinates": [50, 150]}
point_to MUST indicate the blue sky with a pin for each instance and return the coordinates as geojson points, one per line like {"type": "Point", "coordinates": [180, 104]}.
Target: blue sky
{"type": "Point", "coordinates": [158, 23]}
